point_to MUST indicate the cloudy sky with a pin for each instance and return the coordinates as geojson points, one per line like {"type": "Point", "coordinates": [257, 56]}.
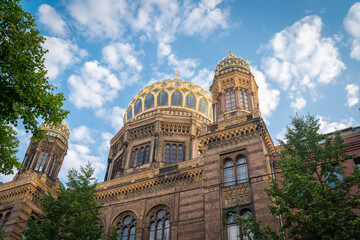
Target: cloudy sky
{"type": "Point", "coordinates": [305, 56]}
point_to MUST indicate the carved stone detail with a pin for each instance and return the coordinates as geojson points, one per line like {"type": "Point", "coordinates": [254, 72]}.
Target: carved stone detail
{"type": "Point", "coordinates": [174, 128]}
{"type": "Point", "coordinates": [142, 132]}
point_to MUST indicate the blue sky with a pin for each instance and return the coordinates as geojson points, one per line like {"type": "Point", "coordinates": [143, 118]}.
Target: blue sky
{"type": "Point", "coordinates": [305, 56]}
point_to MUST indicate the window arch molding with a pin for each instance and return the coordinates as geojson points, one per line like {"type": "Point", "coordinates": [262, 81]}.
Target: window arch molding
{"type": "Point", "coordinates": [126, 220]}
{"type": "Point", "coordinates": [153, 212]}
{"type": "Point", "coordinates": [235, 169]}
{"type": "Point", "coordinates": [231, 229]}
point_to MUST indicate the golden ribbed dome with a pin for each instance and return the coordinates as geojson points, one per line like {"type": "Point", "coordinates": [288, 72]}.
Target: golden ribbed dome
{"type": "Point", "coordinates": [230, 63]}
{"type": "Point", "coordinates": [62, 130]}
{"type": "Point", "coordinates": [174, 94]}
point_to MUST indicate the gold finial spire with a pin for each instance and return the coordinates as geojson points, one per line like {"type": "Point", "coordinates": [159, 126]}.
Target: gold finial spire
{"type": "Point", "coordinates": [177, 74]}
{"type": "Point", "coordinates": [230, 54]}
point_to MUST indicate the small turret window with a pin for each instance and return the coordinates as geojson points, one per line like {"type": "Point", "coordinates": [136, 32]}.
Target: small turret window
{"type": "Point", "coordinates": [174, 153]}
{"type": "Point", "coordinates": [203, 106]}
{"type": "Point", "coordinates": [141, 155]}
{"type": "Point", "coordinates": [244, 99]}
{"type": "Point", "coordinates": [41, 161]}
{"type": "Point", "coordinates": [162, 99]}
{"type": "Point", "coordinates": [129, 113]}
{"type": "Point", "coordinates": [176, 99]}
{"type": "Point", "coordinates": [230, 99]}
{"type": "Point", "coordinates": [138, 107]}
{"type": "Point", "coordinates": [149, 101]}
{"type": "Point", "coordinates": [190, 101]}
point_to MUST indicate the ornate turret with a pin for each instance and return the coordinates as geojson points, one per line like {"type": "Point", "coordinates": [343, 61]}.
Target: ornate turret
{"type": "Point", "coordinates": [46, 157]}
{"type": "Point", "coordinates": [234, 90]}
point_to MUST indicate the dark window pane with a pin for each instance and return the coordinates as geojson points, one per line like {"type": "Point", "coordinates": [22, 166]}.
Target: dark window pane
{"type": "Point", "coordinates": [190, 101]}
{"type": "Point", "coordinates": [136, 156]}
{"type": "Point", "coordinates": [138, 107]}
{"type": "Point", "coordinates": [129, 113]}
{"type": "Point", "coordinates": [203, 106]}
{"type": "Point", "coordinates": [149, 101]}
{"type": "Point", "coordinates": [176, 99]}
{"type": "Point", "coordinates": [173, 154]}
{"type": "Point", "coordinates": [147, 152]}
{"type": "Point", "coordinates": [162, 99]}
{"type": "Point", "coordinates": [180, 153]}
{"type": "Point", "coordinates": [167, 153]}
{"type": "Point", "coordinates": [127, 220]}
{"type": "Point", "coordinates": [141, 158]}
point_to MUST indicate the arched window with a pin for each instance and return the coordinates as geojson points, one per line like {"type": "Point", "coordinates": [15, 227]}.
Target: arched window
{"type": "Point", "coordinates": [180, 155]}
{"type": "Point", "coordinates": [160, 226]}
{"type": "Point", "coordinates": [147, 153]}
{"type": "Point", "coordinates": [173, 154]}
{"type": "Point", "coordinates": [149, 101]}
{"type": "Point", "coordinates": [234, 230]}
{"type": "Point", "coordinates": [162, 99]}
{"type": "Point", "coordinates": [241, 170]}
{"type": "Point", "coordinates": [190, 101]}
{"type": "Point", "coordinates": [6, 219]}
{"type": "Point", "coordinates": [138, 107]}
{"type": "Point", "coordinates": [230, 99]}
{"type": "Point", "coordinates": [136, 157]}
{"type": "Point", "coordinates": [176, 99]}
{"type": "Point", "coordinates": [51, 167]}
{"type": "Point", "coordinates": [129, 113]}
{"type": "Point", "coordinates": [126, 228]}
{"type": "Point", "coordinates": [41, 161]}
{"type": "Point", "coordinates": [203, 106]}
{"type": "Point", "coordinates": [244, 99]}
{"type": "Point", "coordinates": [167, 153]}
{"type": "Point", "coordinates": [229, 173]}
{"type": "Point", "coordinates": [236, 175]}
{"type": "Point", "coordinates": [141, 156]}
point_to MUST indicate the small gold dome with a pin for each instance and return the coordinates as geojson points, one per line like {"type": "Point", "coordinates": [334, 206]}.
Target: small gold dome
{"type": "Point", "coordinates": [173, 94]}
{"type": "Point", "coordinates": [63, 129]}
{"type": "Point", "coordinates": [230, 63]}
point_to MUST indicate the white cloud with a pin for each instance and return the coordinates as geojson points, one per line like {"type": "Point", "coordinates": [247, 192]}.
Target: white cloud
{"type": "Point", "coordinates": [104, 148]}
{"type": "Point", "coordinates": [186, 66]}
{"type": "Point", "coordinates": [205, 18]}
{"type": "Point", "coordinates": [82, 134]}
{"type": "Point", "coordinates": [79, 155]}
{"type": "Point", "coordinates": [94, 86]}
{"type": "Point", "coordinates": [52, 20]}
{"type": "Point", "coordinates": [301, 59]}
{"type": "Point", "coordinates": [99, 18]}
{"type": "Point", "coordinates": [326, 126]}
{"type": "Point", "coordinates": [158, 76]}
{"type": "Point", "coordinates": [352, 20]}
{"type": "Point", "coordinates": [298, 104]}
{"type": "Point", "coordinates": [352, 94]}
{"type": "Point", "coordinates": [269, 98]}
{"type": "Point", "coordinates": [204, 78]}
{"type": "Point", "coordinates": [114, 115]}
{"type": "Point", "coordinates": [62, 54]}
{"type": "Point", "coordinates": [352, 26]}
{"type": "Point", "coordinates": [118, 55]}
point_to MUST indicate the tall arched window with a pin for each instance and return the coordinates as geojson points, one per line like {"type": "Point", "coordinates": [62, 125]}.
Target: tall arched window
{"type": "Point", "coordinates": [232, 228]}
{"type": "Point", "coordinates": [147, 153]}
{"type": "Point", "coordinates": [241, 170]}
{"type": "Point", "coordinates": [230, 99]}
{"type": "Point", "coordinates": [6, 219]}
{"type": "Point", "coordinates": [176, 99]}
{"type": "Point", "coordinates": [229, 173]}
{"type": "Point", "coordinates": [167, 153]}
{"type": "Point", "coordinates": [162, 99]}
{"type": "Point", "coordinates": [41, 161]}
{"type": "Point", "coordinates": [244, 99]}
{"type": "Point", "coordinates": [190, 101]}
{"type": "Point", "coordinates": [126, 228]}
{"type": "Point", "coordinates": [160, 226]}
{"type": "Point", "coordinates": [140, 155]}
{"type": "Point", "coordinates": [149, 101]}
{"type": "Point", "coordinates": [203, 106]}
{"type": "Point", "coordinates": [138, 107]}
{"type": "Point", "coordinates": [173, 154]}
{"type": "Point", "coordinates": [180, 155]}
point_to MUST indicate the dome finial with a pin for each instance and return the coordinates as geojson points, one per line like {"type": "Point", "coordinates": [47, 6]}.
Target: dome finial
{"type": "Point", "coordinates": [230, 54]}
{"type": "Point", "coordinates": [177, 74]}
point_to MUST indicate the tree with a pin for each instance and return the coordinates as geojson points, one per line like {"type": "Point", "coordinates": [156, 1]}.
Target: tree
{"type": "Point", "coordinates": [72, 215]}
{"type": "Point", "coordinates": [313, 196]}
{"type": "Point", "coordinates": [25, 93]}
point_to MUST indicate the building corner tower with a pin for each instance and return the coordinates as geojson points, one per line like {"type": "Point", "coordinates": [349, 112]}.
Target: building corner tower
{"type": "Point", "coordinates": [21, 197]}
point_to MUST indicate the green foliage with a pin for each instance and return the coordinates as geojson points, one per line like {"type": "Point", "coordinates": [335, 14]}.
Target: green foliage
{"type": "Point", "coordinates": [73, 215]}
{"type": "Point", "coordinates": [114, 234]}
{"type": "Point", "coordinates": [313, 200]}
{"type": "Point", "coordinates": [25, 93]}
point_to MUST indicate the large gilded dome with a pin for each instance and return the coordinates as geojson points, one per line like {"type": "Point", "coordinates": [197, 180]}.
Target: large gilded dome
{"type": "Point", "coordinates": [174, 94]}
{"type": "Point", "coordinates": [62, 131]}
{"type": "Point", "coordinates": [230, 63]}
